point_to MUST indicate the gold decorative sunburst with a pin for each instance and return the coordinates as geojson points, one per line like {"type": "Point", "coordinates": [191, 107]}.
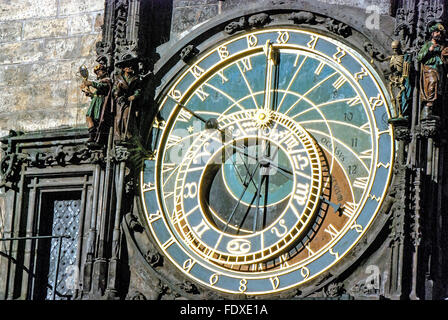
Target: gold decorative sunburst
{"type": "Point", "coordinates": [263, 118]}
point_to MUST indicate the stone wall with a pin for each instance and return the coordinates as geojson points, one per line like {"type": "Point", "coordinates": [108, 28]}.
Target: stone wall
{"type": "Point", "coordinates": [42, 45]}
{"type": "Point", "coordinates": [187, 14]}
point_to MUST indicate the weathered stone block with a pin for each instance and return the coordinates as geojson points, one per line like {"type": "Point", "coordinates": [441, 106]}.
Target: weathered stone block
{"type": "Point", "coordinates": [72, 7]}
{"type": "Point", "coordinates": [13, 75]}
{"type": "Point", "coordinates": [46, 28]}
{"type": "Point", "coordinates": [31, 120]}
{"type": "Point", "coordinates": [186, 17]}
{"type": "Point", "coordinates": [45, 95]}
{"type": "Point", "coordinates": [12, 99]}
{"type": "Point", "coordinates": [21, 52]}
{"type": "Point", "coordinates": [88, 45]}
{"type": "Point", "coordinates": [98, 22]}
{"type": "Point", "coordinates": [74, 94]}
{"type": "Point", "coordinates": [66, 48]}
{"type": "Point", "coordinates": [10, 31]}
{"type": "Point", "coordinates": [27, 9]}
{"type": "Point", "coordinates": [51, 71]}
{"type": "Point", "coordinates": [81, 24]}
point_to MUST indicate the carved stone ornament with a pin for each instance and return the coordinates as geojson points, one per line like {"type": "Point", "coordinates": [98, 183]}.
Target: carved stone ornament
{"type": "Point", "coordinates": [429, 127]}
{"type": "Point", "coordinates": [188, 53]}
{"type": "Point", "coordinates": [256, 20]}
{"type": "Point", "coordinates": [137, 295]}
{"type": "Point", "coordinates": [303, 17]}
{"type": "Point", "coordinates": [154, 258]}
{"type": "Point", "coordinates": [189, 287]}
{"type": "Point", "coordinates": [373, 52]}
{"type": "Point", "coordinates": [121, 153]}
{"type": "Point", "coordinates": [401, 129]}
{"type": "Point", "coordinates": [334, 289]}
{"type": "Point", "coordinates": [338, 27]}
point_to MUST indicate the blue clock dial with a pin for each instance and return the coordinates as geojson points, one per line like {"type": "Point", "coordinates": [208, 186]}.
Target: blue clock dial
{"type": "Point", "coordinates": [273, 159]}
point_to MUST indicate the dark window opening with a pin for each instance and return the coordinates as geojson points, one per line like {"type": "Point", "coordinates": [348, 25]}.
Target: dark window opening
{"type": "Point", "coordinates": [59, 215]}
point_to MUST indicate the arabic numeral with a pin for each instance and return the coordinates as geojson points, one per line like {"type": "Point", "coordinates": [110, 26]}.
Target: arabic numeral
{"type": "Point", "coordinates": [243, 285]}
{"type": "Point", "coordinates": [348, 116]}
{"type": "Point", "coordinates": [354, 142]}
{"type": "Point", "coordinates": [352, 169]}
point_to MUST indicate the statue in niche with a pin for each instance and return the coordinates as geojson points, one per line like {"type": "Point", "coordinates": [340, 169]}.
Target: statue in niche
{"type": "Point", "coordinates": [99, 91]}
{"type": "Point", "coordinates": [432, 57]}
{"type": "Point", "coordinates": [399, 82]}
{"type": "Point", "coordinates": [127, 90]}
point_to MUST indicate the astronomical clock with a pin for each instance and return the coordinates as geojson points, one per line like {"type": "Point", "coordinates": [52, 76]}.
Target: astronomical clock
{"type": "Point", "coordinates": [272, 157]}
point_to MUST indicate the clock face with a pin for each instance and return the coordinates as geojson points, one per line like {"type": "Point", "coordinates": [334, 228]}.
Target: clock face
{"type": "Point", "coordinates": [273, 157]}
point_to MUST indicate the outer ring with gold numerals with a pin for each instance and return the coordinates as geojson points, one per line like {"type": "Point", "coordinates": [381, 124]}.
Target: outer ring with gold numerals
{"type": "Point", "coordinates": [358, 154]}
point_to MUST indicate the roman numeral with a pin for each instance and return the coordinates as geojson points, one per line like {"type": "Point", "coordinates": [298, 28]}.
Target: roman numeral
{"type": "Point", "coordinates": [201, 93]}
{"type": "Point", "coordinates": [332, 231]}
{"type": "Point", "coordinates": [168, 243]}
{"type": "Point", "coordinates": [296, 61]}
{"type": "Point", "coordinates": [339, 82]}
{"type": "Point", "coordinates": [308, 248]}
{"type": "Point", "coordinates": [284, 261]}
{"type": "Point", "coordinates": [367, 154]}
{"type": "Point", "coordinates": [247, 64]}
{"type": "Point", "coordinates": [361, 183]}
{"type": "Point", "coordinates": [354, 101]}
{"type": "Point", "coordinates": [319, 68]}
{"type": "Point", "coordinates": [173, 140]}
{"type": "Point", "coordinates": [349, 209]}
{"type": "Point", "coordinates": [184, 116]}
{"type": "Point", "coordinates": [167, 167]}
{"type": "Point", "coordinates": [223, 77]}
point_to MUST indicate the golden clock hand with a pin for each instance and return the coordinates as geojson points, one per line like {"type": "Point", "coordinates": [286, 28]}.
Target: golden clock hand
{"type": "Point", "coordinates": [270, 81]}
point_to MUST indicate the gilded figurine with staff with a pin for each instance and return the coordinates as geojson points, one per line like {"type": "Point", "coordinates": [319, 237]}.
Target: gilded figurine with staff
{"type": "Point", "coordinates": [99, 91]}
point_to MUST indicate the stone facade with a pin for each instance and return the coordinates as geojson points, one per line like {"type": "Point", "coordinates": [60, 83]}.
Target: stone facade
{"type": "Point", "coordinates": [188, 14]}
{"type": "Point", "coordinates": [42, 45]}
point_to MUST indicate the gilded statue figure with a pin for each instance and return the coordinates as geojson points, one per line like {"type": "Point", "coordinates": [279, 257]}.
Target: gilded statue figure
{"type": "Point", "coordinates": [432, 57]}
{"type": "Point", "coordinates": [99, 91]}
{"type": "Point", "coordinates": [399, 84]}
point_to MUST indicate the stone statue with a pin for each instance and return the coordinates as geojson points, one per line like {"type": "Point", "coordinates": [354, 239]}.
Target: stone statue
{"type": "Point", "coordinates": [432, 57]}
{"type": "Point", "coordinates": [99, 91]}
{"type": "Point", "coordinates": [399, 83]}
{"type": "Point", "coordinates": [127, 90]}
